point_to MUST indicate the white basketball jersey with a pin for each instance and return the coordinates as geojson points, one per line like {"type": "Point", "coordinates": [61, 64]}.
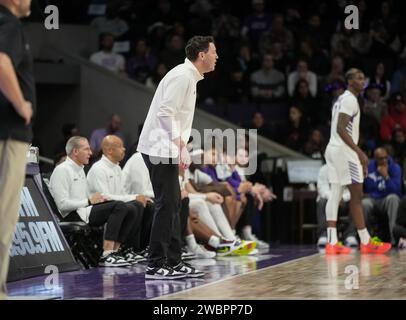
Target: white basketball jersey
{"type": "Point", "coordinates": [346, 103]}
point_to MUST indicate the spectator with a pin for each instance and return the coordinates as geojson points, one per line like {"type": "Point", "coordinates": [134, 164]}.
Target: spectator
{"type": "Point", "coordinates": [382, 188]}
{"type": "Point", "coordinates": [315, 145]}
{"type": "Point", "coordinates": [164, 12]}
{"type": "Point", "coordinates": [389, 19]}
{"type": "Point", "coordinates": [113, 127]}
{"type": "Point", "coordinates": [315, 31]}
{"type": "Point", "coordinates": [160, 72]}
{"type": "Point", "coordinates": [277, 33]}
{"type": "Point", "coordinates": [237, 89]}
{"type": "Point", "coordinates": [379, 78]}
{"type": "Point", "coordinates": [295, 135]}
{"type": "Point", "coordinates": [302, 72]}
{"type": "Point", "coordinates": [348, 44]}
{"type": "Point", "coordinates": [141, 65]}
{"type": "Point", "coordinates": [324, 193]}
{"type": "Point", "coordinates": [263, 129]}
{"type": "Point", "coordinates": [267, 83]}
{"type": "Point", "coordinates": [398, 78]}
{"type": "Point", "coordinates": [256, 24]}
{"type": "Point", "coordinates": [106, 57]}
{"type": "Point", "coordinates": [111, 23]}
{"type": "Point", "coordinates": [374, 105]}
{"type": "Point", "coordinates": [383, 42]}
{"type": "Point", "coordinates": [226, 26]}
{"type": "Point", "coordinates": [281, 59]}
{"type": "Point", "coordinates": [395, 118]}
{"type": "Point", "coordinates": [157, 33]}
{"type": "Point", "coordinates": [174, 53]}
{"type": "Point", "coordinates": [369, 131]}
{"type": "Point", "coordinates": [309, 105]}
{"type": "Point", "coordinates": [399, 147]}
{"type": "Point", "coordinates": [316, 59]}
{"type": "Point", "coordinates": [336, 71]}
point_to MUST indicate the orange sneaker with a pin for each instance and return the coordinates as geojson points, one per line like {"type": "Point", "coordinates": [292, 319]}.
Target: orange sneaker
{"type": "Point", "coordinates": [338, 248]}
{"type": "Point", "coordinates": [375, 245]}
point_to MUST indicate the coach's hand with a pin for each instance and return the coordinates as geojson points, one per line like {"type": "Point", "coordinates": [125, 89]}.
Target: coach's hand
{"type": "Point", "coordinates": [184, 156]}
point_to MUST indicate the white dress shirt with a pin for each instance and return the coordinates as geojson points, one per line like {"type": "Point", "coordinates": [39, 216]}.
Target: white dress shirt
{"type": "Point", "coordinates": [171, 112]}
{"type": "Point", "coordinates": [136, 177]}
{"type": "Point", "coordinates": [68, 187]}
{"type": "Point", "coordinates": [107, 178]}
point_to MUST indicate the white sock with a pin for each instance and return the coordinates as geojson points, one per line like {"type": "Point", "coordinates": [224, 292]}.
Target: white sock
{"type": "Point", "coordinates": [364, 236]}
{"type": "Point", "coordinates": [107, 252]}
{"type": "Point", "coordinates": [247, 232]}
{"type": "Point", "coordinates": [191, 241]}
{"type": "Point", "coordinates": [221, 221]}
{"type": "Point", "coordinates": [214, 241]}
{"type": "Point", "coordinates": [332, 236]}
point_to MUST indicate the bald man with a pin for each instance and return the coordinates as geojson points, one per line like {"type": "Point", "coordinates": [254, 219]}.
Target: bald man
{"type": "Point", "coordinates": [106, 177]}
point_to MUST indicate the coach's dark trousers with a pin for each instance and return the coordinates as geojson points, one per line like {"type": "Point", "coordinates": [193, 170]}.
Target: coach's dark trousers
{"type": "Point", "coordinates": [165, 242]}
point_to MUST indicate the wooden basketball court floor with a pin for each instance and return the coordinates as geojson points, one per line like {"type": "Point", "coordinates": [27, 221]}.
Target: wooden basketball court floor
{"type": "Point", "coordinates": [318, 276]}
{"type": "Point", "coordinates": [292, 272]}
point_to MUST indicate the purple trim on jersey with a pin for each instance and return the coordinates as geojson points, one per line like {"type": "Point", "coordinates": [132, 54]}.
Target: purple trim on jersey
{"type": "Point", "coordinates": [354, 172]}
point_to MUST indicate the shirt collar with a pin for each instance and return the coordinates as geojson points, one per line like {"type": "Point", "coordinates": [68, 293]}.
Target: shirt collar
{"type": "Point", "coordinates": [108, 162]}
{"type": "Point", "coordinates": [196, 72]}
{"type": "Point", "coordinates": [74, 164]}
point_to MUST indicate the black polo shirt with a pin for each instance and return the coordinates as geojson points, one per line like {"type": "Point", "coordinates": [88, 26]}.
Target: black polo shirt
{"type": "Point", "coordinates": [14, 44]}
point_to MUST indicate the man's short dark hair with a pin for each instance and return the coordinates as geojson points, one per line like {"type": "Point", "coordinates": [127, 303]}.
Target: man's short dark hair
{"type": "Point", "coordinates": [197, 44]}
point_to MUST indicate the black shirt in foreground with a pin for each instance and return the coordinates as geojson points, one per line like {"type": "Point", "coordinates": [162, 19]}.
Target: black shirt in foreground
{"type": "Point", "coordinates": [14, 44]}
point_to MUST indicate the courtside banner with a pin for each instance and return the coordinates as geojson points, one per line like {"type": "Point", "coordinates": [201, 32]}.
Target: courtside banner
{"type": "Point", "coordinates": [38, 241]}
